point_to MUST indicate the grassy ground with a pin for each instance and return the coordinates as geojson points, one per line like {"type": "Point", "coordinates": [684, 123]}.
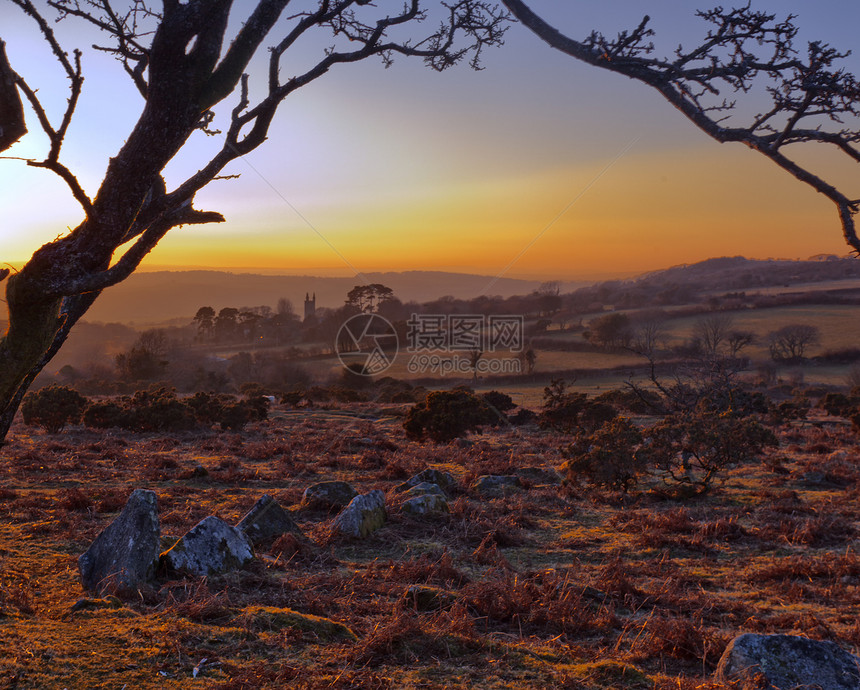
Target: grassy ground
{"type": "Point", "coordinates": [553, 586]}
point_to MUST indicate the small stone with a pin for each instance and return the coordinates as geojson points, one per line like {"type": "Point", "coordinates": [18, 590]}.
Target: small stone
{"type": "Point", "coordinates": [328, 496]}
{"type": "Point", "coordinates": [443, 480]}
{"type": "Point", "coordinates": [493, 485]}
{"type": "Point", "coordinates": [125, 554]}
{"type": "Point", "coordinates": [209, 548]}
{"type": "Point", "coordinates": [426, 488]}
{"type": "Point", "coordinates": [787, 662]}
{"type": "Point", "coordinates": [267, 520]}
{"type": "Point", "coordinates": [364, 515]}
{"type": "Point", "coordinates": [425, 504]}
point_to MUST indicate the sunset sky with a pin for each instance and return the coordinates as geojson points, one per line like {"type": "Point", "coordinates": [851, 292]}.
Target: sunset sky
{"type": "Point", "coordinates": [535, 167]}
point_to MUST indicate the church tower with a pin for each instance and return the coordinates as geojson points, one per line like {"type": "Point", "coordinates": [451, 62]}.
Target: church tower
{"type": "Point", "coordinates": [310, 307]}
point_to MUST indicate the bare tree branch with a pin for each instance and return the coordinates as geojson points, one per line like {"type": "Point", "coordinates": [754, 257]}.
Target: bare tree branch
{"type": "Point", "coordinates": [811, 97]}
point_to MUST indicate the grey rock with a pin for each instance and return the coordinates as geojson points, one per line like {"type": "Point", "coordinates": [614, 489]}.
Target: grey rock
{"type": "Point", "coordinates": [444, 480]}
{"type": "Point", "coordinates": [209, 548]}
{"type": "Point", "coordinates": [328, 495]}
{"type": "Point", "coordinates": [788, 662]}
{"type": "Point", "coordinates": [492, 485]}
{"type": "Point", "coordinates": [125, 554]}
{"type": "Point", "coordinates": [267, 520]}
{"type": "Point", "coordinates": [364, 515]}
{"type": "Point", "coordinates": [539, 476]}
{"type": "Point", "coordinates": [426, 488]}
{"type": "Point", "coordinates": [425, 504]}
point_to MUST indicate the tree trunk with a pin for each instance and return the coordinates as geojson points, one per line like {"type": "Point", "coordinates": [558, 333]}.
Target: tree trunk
{"type": "Point", "coordinates": [70, 311]}
{"type": "Point", "coordinates": [33, 324]}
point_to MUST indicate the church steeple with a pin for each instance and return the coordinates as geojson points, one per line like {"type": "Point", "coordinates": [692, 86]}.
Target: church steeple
{"type": "Point", "coordinates": [310, 307]}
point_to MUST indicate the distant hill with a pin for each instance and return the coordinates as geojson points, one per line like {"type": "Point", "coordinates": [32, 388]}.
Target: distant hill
{"type": "Point", "coordinates": [713, 277]}
{"type": "Point", "coordinates": [162, 296]}
{"type": "Point", "coordinates": [739, 273]}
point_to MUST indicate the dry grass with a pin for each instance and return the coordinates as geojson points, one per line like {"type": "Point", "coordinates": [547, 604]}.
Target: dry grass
{"type": "Point", "coordinates": [549, 587]}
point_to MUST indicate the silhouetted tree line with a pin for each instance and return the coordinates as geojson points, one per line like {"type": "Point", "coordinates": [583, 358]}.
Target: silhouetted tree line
{"type": "Point", "coordinates": [261, 325]}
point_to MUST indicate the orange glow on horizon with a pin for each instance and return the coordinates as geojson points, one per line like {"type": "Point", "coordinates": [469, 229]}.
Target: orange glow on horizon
{"type": "Point", "coordinates": [648, 212]}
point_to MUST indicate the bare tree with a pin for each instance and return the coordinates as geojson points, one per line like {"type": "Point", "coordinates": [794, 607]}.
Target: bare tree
{"type": "Point", "coordinates": [812, 100]}
{"type": "Point", "coordinates": [649, 332]}
{"type": "Point", "coordinates": [790, 343]}
{"type": "Point", "coordinates": [184, 63]}
{"type": "Point", "coordinates": [737, 340]}
{"type": "Point", "coordinates": [712, 331]}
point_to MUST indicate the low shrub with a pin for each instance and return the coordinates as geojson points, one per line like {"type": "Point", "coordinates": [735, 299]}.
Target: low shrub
{"type": "Point", "coordinates": [637, 401]}
{"type": "Point", "coordinates": [789, 410]}
{"type": "Point", "coordinates": [839, 404]}
{"type": "Point", "coordinates": [158, 409]}
{"type": "Point", "coordinates": [570, 412]}
{"type": "Point", "coordinates": [52, 407]}
{"type": "Point", "coordinates": [609, 456]}
{"type": "Point", "coordinates": [445, 415]}
{"type": "Point", "coordinates": [106, 414]}
{"type": "Point", "coordinates": [692, 449]}
{"type": "Point", "coordinates": [561, 409]}
{"type": "Point", "coordinates": [498, 401]}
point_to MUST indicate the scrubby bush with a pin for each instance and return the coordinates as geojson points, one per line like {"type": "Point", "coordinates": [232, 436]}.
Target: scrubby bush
{"type": "Point", "coordinates": [789, 410]}
{"type": "Point", "coordinates": [158, 409]}
{"type": "Point", "coordinates": [106, 414]}
{"type": "Point", "coordinates": [258, 407]}
{"type": "Point", "coordinates": [571, 412]}
{"type": "Point", "coordinates": [234, 416]}
{"type": "Point", "coordinates": [638, 401]}
{"type": "Point", "coordinates": [692, 449]}
{"type": "Point", "coordinates": [52, 407]}
{"type": "Point", "coordinates": [391, 390]}
{"type": "Point", "coordinates": [208, 407]}
{"type": "Point", "coordinates": [839, 404]}
{"type": "Point", "coordinates": [347, 395]}
{"type": "Point", "coordinates": [445, 415]}
{"type": "Point", "coordinates": [560, 408]}
{"type": "Point", "coordinates": [211, 408]}
{"type": "Point", "coordinates": [596, 414]}
{"type": "Point", "coordinates": [610, 456]}
{"type": "Point", "coordinates": [499, 401]}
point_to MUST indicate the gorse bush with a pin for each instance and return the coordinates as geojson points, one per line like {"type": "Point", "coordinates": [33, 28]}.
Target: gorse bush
{"type": "Point", "coordinates": [638, 401]}
{"type": "Point", "coordinates": [839, 404]}
{"type": "Point", "coordinates": [105, 415]}
{"type": "Point", "coordinates": [159, 409]}
{"type": "Point", "coordinates": [561, 409]}
{"type": "Point", "coordinates": [790, 410]}
{"type": "Point", "coordinates": [571, 412]}
{"type": "Point", "coordinates": [445, 415]}
{"type": "Point", "coordinates": [610, 456]}
{"type": "Point", "coordinates": [53, 407]}
{"type": "Point", "coordinates": [501, 402]}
